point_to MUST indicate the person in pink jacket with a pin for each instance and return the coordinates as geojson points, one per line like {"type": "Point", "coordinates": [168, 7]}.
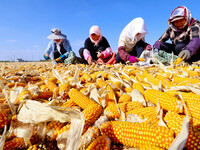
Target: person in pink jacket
{"type": "Point", "coordinates": [96, 48]}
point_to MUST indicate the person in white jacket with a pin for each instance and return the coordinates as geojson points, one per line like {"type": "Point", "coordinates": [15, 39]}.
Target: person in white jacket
{"type": "Point", "coordinates": [132, 41]}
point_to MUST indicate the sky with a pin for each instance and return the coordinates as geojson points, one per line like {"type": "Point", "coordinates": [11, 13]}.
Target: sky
{"type": "Point", "coordinates": [25, 24]}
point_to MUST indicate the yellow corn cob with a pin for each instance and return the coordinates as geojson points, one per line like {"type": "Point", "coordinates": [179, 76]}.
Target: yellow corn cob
{"type": "Point", "coordinates": [112, 112]}
{"type": "Point", "coordinates": [193, 140]}
{"type": "Point", "coordinates": [125, 77]}
{"type": "Point", "coordinates": [12, 84]}
{"type": "Point", "coordinates": [141, 59]}
{"type": "Point", "coordinates": [100, 143]}
{"type": "Point", "coordinates": [95, 74]}
{"type": "Point", "coordinates": [52, 129]}
{"type": "Point", "coordinates": [167, 101]}
{"type": "Point", "coordinates": [63, 129]}
{"type": "Point", "coordinates": [53, 79]}
{"type": "Point", "coordinates": [127, 89]}
{"type": "Point", "coordinates": [136, 134]}
{"type": "Point", "coordinates": [3, 119]}
{"type": "Point", "coordinates": [88, 137]}
{"type": "Point", "coordinates": [45, 94]}
{"type": "Point", "coordinates": [193, 73]}
{"type": "Point", "coordinates": [193, 108]}
{"type": "Point", "coordinates": [91, 114]}
{"type": "Point", "coordinates": [80, 99]}
{"type": "Point", "coordinates": [145, 112]}
{"type": "Point", "coordinates": [150, 147]}
{"type": "Point", "coordinates": [43, 87]}
{"type": "Point", "coordinates": [16, 143]}
{"type": "Point", "coordinates": [174, 122]}
{"type": "Point", "coordinates": [101, 83]}
{"type": "Point", "coordinates": [190, 97]}
{"type": "Point", "coordinates": [139, 87]}
{"type": "Point", "coordinates": [110, 96]}
{"type": "Point", "coordinates": [178, 61]}
{"type": "Point", "coordinates": [117, 85]}
{"type": "Point", "coordinates": [51, 86]}
{"type": "Point", "coordinates": [69, 103]}
{"type": "Point", "coordinates": [85, 78]}
{"type": "Point", "coordinates": [26, 94]}
{"type": "Point", "coordinates": [185, 80]}
{"type": "Point", "coordinates": [64, 89]}
{"type": "Point", "coordinates": [125, 98]}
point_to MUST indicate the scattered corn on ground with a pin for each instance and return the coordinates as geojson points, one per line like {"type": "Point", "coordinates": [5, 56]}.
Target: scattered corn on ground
{"type": "Point", "coordinates": [115, 117]}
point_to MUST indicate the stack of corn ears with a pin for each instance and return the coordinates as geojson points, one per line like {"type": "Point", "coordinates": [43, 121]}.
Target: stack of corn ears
{"type": "Point", "coordinates": [99, 107]}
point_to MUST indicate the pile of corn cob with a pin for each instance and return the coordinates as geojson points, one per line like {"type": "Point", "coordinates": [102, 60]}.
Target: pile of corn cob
{"type": "Point", "coordinates": [124, 106]}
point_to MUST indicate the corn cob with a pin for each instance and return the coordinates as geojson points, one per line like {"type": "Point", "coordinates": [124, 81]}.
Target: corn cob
{"type": "Point", "coordinates": [51, 86]}
{"type": "Point", "coordinates": [100, 143]}
{"type": "Point", "coordinates": [125, 98]}
{"type": "Point", "coordinates": [45, 94]}
{"type": "Point", "coordinates": [16, 143]}
{"type": "Point", "coordinates": [53, 128]}
{"type": "Point", "coordinates": [178, 61]}
{"type": "Point", "coordinates": [193, 109]}
{"type": "Point", "coordinates": [88, 137]}
{"type": "Point", "coordinates": [101, 83]}
{"type": "Point", "coordinates": [127, 89]}
{"type": "Point", "coordinates": [150, 113]}
{"type": "Point", "coordinates": [53, 79]}
{"type": "Point", "coordinates": [95, 74]}
{"type": "Point", "coordinates": [85, 78]}
{"type": "Point", "coordinates": [150, 147]}
{"type": "Point", "coordinates": [26, 94]}
{"type": "Point", "coordinates": [167, 101]}
{"type": "Point", "coordinates": [139, 87]}
{"type": "Point", "coordinates": [185, 80]}
{"type": "Point", "coordinates": [64, 89]}
{"type": "Point", "coordinates": [3, 119]}
{"type": "Point", "coordinates": [111, 110]}
{"type": "Point", "coordinates": [91, 114]}
{"type": "Point", "coordinates": [174, 122]}
{"type": "Point", "coordinates": [135, 134]}
{"type": "Point", "coordinates": [80, 99]}
{"type": "Point", "coordinates": [69, 103]}
{"type": "Point", "coordinates": [110, 96]}
{"type": "Point", "coordinates": [12, 84]}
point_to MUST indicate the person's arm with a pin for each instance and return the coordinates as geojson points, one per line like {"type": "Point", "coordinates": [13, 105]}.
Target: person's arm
{"type": "Point", "coordinates": [163, 38]}
{"type": "Point", "coordinates": [106, 53]}
{"type": "Point", "coordinates": [68, 48]}
{"type": "Point", "coordinates": [123, 54]}
{"type": "Point", "coordinates": [194, 43]}
{"type": "Point", "coordinates": [48, 51]}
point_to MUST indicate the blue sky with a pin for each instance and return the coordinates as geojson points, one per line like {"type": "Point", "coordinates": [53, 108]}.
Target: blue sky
{"type": "Point", "coordinates": [25, 24]}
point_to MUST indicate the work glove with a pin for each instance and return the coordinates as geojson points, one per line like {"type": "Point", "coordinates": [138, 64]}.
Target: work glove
{"type": "Point", "coordinates": [184, 54]}
{"type": "Point", "coordinates": [148, 47]}
{"type": "Point", "coordinates": [46, 57]}
{"type": "Point", "coordinates": [133, 59]}
{"type": "Point", "coordinates": [63, 57]}
{"type": "Point", "coordinates": [157, 45]}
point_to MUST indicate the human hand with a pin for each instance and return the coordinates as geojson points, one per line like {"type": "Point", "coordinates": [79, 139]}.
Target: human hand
{"type": "Point", "coordinates": [90, 60]}
{"type": "Point", "coordinates": [99, 55]}
{"type": "Point", "coordinates": [46, 54]}
{"type": "Point", "coordinates": [184, 54]}
{"type": "Point", "coordinates": [133, 59]}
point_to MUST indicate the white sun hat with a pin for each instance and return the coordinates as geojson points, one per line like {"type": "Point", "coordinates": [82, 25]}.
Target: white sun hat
{"type": "Point", "coordinates": [56, 34]}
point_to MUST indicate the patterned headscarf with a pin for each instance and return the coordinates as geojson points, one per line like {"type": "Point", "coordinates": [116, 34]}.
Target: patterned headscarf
{"type": "Point", "coordinates": [180, 12]}
{"type": "Point", "coordinates": [95, 30]}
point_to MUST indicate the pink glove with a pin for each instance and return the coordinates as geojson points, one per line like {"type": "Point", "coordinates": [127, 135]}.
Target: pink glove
{"type": "Point", "coordinates": [133, 59]}
{"type": "Point", "coordinates": [148, 47]}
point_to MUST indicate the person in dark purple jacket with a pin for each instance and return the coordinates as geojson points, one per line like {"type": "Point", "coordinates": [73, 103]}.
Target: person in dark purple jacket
{"type": "Point", "coordinates": [184, 32]}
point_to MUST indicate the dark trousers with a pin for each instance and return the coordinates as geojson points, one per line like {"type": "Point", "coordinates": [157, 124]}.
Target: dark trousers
{"type": "Point", "coordinates": [178, 48]}
{"type": "Point", "coordinates": [137, 51]}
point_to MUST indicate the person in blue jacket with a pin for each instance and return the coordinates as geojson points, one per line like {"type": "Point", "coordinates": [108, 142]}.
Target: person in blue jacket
{"type": "Point", "coordinates": [59, 46]}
